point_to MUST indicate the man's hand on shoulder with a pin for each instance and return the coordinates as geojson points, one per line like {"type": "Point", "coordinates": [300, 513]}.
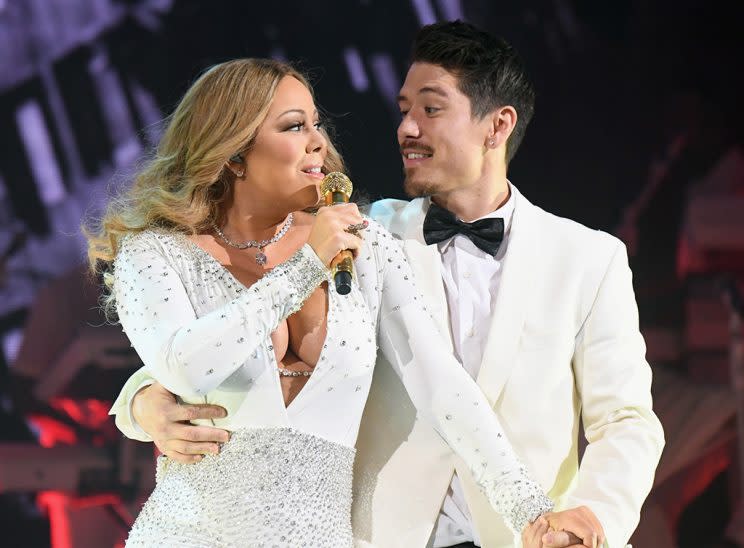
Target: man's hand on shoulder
{"type": "Point", "coordinates": [159, 414]}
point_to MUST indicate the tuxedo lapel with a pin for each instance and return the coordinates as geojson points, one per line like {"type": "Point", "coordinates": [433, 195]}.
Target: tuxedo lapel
{"type": "Point", "coordinates": [426, 264]}
{"type": "Point", "coordinates": [520, 269]}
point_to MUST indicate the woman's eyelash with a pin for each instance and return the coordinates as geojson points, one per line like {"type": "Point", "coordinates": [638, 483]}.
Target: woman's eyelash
{"type": "Point", "coordinates": [300, 125]}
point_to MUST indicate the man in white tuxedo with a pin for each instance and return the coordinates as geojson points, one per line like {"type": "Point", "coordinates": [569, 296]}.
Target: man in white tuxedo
{"type": "Point", "coordinates": [538, 309]}
{"type": "Point", "coordinates": [545, 320]}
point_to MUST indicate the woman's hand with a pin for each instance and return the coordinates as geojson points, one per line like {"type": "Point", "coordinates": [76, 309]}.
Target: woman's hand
{"type": "Point", "coordinates": [575, 527]}
{"type": "Point", "coordinates": [336, 228]}
{"type": "Point", "coordinates": [533, 533]}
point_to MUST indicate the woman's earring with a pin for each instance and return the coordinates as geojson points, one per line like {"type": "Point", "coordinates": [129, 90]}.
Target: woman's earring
{"type": "Point", "coordinates": [237, 158]}
{"type": "Point", "coordinates": [490, 142]}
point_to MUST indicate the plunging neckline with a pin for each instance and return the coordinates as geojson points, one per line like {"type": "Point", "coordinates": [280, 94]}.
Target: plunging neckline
{"type": "Point", "coordinates": [268, 347]}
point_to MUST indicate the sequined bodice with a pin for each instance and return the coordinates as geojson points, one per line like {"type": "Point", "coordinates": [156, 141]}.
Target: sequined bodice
{"type": "Point", "coordinates": [252, 393]}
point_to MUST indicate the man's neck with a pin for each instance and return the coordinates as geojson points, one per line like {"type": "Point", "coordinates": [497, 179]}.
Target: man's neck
{"type": "Point", "coordinates": [474, 202]}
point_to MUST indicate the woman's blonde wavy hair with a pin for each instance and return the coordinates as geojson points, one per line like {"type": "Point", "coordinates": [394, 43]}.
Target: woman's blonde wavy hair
{"type": "Point", "coordinates": [186, 182]}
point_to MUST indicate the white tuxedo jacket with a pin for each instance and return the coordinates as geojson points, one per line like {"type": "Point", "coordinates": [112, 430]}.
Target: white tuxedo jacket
{"type": "Point", "coordinates": [563, 345]}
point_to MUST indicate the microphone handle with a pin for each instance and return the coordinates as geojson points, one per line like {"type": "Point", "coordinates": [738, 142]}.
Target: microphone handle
{"type": "Point", "coordinates": [343, 269]}
{"type": "Point", "coordinates": [342, 265]}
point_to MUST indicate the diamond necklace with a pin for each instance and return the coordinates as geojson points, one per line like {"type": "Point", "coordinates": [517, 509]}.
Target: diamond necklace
{"type": "Point", "coordinates": [260, 256]}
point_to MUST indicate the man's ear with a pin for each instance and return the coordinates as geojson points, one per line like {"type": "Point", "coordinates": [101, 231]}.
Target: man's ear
{"type": "Point", "coordinates": [503, 120]}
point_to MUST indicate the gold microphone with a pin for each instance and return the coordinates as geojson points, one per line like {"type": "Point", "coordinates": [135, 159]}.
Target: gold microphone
{"type": "Point", "coordinates": [336, 189]}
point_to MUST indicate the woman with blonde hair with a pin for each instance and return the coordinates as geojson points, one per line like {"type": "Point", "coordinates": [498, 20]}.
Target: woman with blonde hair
{"type": "Point", "coordinates": [221, 281]}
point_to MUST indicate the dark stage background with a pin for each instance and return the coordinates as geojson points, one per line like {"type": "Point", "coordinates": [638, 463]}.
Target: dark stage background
{"type": "Point", "coordinates": [637, 131]}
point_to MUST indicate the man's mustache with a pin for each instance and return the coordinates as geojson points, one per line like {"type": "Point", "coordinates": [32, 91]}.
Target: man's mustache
{"type": "Point", "coordinates": [412, 146]}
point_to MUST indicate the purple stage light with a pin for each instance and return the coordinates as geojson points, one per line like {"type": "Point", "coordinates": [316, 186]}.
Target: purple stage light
{"type": "Point", "coordinates": [355, 66]}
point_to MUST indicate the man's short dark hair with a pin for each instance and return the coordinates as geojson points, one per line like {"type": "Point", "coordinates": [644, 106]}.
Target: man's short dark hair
{"type": "Point", "coordinates": [489, 71]}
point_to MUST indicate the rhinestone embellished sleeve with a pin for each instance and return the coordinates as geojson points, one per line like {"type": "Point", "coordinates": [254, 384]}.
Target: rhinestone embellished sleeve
{"type": "Point", "coordinates": [443, 392]}
{"type": "Point", "coordinates": [188, 355]}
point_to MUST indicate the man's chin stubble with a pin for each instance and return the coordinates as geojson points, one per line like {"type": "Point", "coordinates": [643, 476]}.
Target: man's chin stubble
{"type": "Point", "coordinates": [417, 189]}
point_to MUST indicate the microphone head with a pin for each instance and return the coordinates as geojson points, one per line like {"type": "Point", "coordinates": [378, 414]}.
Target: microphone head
{"type": "Point", "coordinates": [336, 182]}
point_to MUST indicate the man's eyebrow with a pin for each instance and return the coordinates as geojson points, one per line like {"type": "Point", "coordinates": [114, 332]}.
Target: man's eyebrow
{"type": "Point", "coordinates": [436, 90]}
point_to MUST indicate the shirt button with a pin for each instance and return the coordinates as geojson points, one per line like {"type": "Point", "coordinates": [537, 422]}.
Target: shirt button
{"type": "Point", "coordinates": [466, 275]}
{"type": "Point", "coordinates": [471, 333]}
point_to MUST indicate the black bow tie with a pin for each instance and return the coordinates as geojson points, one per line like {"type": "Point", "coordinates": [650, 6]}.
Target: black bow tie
{"type": "Point", "coordinates": [440, 225]}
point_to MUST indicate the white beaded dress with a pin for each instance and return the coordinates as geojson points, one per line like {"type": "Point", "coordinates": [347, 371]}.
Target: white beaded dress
{"type": "Point", "coordinates": [284, 478]}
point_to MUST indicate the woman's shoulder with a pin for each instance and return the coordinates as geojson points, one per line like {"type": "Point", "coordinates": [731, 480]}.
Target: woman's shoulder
{"type": "Point", "coordinates": [151, 240]}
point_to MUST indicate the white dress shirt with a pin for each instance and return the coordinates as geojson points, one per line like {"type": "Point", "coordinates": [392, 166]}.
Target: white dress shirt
{"type": "Point", "coordinates": [467, 272]}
